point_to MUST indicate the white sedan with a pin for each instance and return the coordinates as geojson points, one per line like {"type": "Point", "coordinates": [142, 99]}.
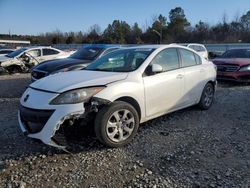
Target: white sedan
{"type": "Point", "coordinates": [18, 60]}
{"type": "Point", "coordinates": [121, 90]}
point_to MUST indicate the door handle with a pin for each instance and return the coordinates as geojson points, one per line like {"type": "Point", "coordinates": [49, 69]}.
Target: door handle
{"type": "Point", "coordinates": [179, 76]}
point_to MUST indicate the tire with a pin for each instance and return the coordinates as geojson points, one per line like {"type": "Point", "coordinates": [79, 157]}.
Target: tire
{"type": "Point", "coordinates": [14, 69]}
{"type": "Point", "coordinates": [207, 97]}
{"type": "Point", "coordinates": [116, 124]}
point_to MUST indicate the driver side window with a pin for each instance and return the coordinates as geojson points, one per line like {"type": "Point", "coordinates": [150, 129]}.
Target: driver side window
{"type": "Point", "coordinates": [168, 59]}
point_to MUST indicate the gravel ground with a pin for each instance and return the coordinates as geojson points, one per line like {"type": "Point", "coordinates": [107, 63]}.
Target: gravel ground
{"type": "Point", "coordinates": [188, 148]}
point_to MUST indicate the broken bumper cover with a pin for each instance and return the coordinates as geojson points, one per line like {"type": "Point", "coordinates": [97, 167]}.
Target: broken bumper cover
{"type": "Point", "coordinates": [40, 120]}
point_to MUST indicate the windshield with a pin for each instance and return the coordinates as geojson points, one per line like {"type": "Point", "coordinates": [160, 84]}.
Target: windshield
{"type": "Point", "coordinates": [16, 53]}
{"type": "Point", "coordinates": [88, 53]}
{"type": "Point", "coordinates": [125, 60]}
{"type": "Point", "coordinates": [237, 53]}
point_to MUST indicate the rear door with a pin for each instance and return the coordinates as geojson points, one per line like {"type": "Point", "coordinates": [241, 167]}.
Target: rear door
{"type": "Point", "coordinates": [194, 76]}
{"type": "Point", "coordinates": [163, 91]}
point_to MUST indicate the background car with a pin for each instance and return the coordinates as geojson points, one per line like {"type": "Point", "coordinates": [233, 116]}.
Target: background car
{"type": "Point", "coordinates": [234, 65]}
{"type": "Point", "coordinates": [199, 48]}
{"type": "Point", "coordinates": [24, 58]}
{"type": "Point", "coordinates": [119, 91]}
{"type": "Point", "coordinates": [4, 52]}
{"type": "Point", "coordinates": [76, 61]}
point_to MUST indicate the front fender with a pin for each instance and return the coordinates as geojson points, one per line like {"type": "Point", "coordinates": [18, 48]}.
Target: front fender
{"type": "Point", "coordinates": [12, 62]}
{"type": "Point", "coordinates": [117, 90]}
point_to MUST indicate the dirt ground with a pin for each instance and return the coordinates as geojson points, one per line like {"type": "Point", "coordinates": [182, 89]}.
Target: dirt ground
{"type": "Point", "coordinates": [188, 148]}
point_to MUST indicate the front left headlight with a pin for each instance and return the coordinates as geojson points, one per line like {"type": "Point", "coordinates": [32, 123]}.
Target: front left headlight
{"type": "Point", "coordinates": [245, 68]}
{"type": "Point", "coordinates": [76, 96]}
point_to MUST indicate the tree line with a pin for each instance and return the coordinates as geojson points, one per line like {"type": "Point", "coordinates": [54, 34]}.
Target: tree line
{"type": "Point", "coordinates": [172, 29]}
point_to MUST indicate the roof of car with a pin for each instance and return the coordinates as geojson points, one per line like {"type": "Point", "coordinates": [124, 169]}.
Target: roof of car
{"type": "Point", "coordinates": [39, 47]}
{"type": "Point", "coordinates": [105, 46]}
{"type": "Point", "coordinates": [7, 49]}
{"type": "Point", "coordinates": [247, 48]}
{"type": "Point", "coordinates": [155, 46]}
{"type": "Point", "coordinates": [35, 47]}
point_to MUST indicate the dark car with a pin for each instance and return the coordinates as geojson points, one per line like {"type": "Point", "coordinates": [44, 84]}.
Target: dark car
{"type": "Point", "coordinates": [5, 51]}
{"type": "Point", "coordinates": [78, 60]}
{"type": "Point", "coordinates": [234, 65]}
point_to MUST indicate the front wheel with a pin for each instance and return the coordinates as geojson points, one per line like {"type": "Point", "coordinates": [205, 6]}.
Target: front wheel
{"type": "Point", "coordinates": [207, 97]}
{"type": "Point", "coordinates": [14, 69]}
{"type": "Point", "coordinates": [116, 124]}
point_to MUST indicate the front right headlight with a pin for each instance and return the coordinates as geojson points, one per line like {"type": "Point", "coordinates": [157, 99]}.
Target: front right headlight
{"type": "Point", "coordinates": [76, 96]}
{"type": "Point", "coordinates": [245, 68]}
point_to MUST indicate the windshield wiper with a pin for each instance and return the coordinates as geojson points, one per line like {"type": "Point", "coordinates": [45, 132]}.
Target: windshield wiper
{"type": "Point", "coordinates": [97, 69]}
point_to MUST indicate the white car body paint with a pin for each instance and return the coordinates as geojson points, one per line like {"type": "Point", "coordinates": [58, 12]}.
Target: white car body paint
{"type": "Point", "coordinates": [64, 81]}
{"type": "Point", "coordinates": [156, 95]}
{"type": "Point", "coordinates": [6, 61]}
{"type": "Point", "coordinates": [200, 49]}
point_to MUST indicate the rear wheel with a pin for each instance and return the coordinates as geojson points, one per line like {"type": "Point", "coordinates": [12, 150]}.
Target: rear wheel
{"type": "Point", "coordinates": [207, 97]}
{"type": "Point", "coordinates": [117, 124]}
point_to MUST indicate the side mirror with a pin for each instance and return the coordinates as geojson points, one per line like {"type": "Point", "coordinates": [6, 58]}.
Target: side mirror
{"type": "Point", "coordinates": [156, 68]}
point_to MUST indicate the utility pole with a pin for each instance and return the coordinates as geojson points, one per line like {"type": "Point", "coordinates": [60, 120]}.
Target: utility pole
{"type": "Point", "coordinates": [9, 33]}
{"type": "Point", "coordinates": [159, 34]}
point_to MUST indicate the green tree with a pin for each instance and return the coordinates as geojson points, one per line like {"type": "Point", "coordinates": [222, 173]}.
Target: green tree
{"type": "Point", "coordinates": [178, 23]}
{"type": "Point", "coordinates": [94, 34]}
{"type": "Point", "coordinates": [157, 33]}
{"type": "Point", "coordinates": [119, 32]}
{"type": "Point", "coordinates": [135, 34]}
{"type": "Point", "coordinates": [201, 32]}
{"type": "Point", "coordinates": [245, 21]}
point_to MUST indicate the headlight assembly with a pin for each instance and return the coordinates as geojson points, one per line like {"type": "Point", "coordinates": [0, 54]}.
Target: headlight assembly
{"type": "Point", "coordinates": [245, 68]}
{"type": "Point", "coordinates": [76, 96]}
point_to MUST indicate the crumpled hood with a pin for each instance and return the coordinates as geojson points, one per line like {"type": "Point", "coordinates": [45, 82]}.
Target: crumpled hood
{"type": "Point", "coordinates": [65, 81]}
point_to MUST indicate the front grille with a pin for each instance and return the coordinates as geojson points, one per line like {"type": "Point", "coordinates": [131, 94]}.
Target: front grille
{"type": "Point", "coordinates": [225, 78]}
{"type": "Point", "coordinates": [38, 74]}
{"type": "Point", "coordinates": [34, 120]}
{"type": "Point", "coordinates": [227, 68]}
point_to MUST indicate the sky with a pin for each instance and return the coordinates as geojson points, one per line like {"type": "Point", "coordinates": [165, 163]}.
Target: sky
{"type": "Point", "coordinates": [40, 16]}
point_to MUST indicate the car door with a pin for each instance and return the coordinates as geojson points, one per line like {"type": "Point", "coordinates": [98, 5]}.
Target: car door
{"type": "Point", "coordinates": [193, 74]}
{"type": "Point", "coordinates": [163, 91]}
{"type": "Point", "coordinates": [49, 54]}
{"type": "Point", "coordinates": [35, 55]}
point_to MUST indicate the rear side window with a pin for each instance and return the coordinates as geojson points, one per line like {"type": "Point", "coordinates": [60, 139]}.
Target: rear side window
{"type": "Point", "coordinates": [197, 48]}
{"type": "Point", "coordinates": [198, 59]}
{"type": "Point", "coordinates": [50, 52]}
{"type": "Point", "coordinates": [201, 49]}
{"type": "Point", "coordinates": [188, 58]}
{"type": "Point", "coordinates": [193, 47]}
{"type": "Point", "coordinates": [168, 59]}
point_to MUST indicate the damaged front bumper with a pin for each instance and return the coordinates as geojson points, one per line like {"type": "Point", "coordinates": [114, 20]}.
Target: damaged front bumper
{"type": "Point", "coordinates": [3, 70]}
{"type": "Point", "coordinates": [40, 120]}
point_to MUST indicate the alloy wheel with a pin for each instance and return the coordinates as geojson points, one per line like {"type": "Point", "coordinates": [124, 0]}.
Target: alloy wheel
{"type": "Point", "coordinates": [120, 125]}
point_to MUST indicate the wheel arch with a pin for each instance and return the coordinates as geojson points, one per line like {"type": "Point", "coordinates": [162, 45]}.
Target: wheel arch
{"type": "Point", "coordinates": [132, 102]}
{"type": "Point", "coordinates": [213, 83]}
{"type": "Point", "coordinates": [11, 67]}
